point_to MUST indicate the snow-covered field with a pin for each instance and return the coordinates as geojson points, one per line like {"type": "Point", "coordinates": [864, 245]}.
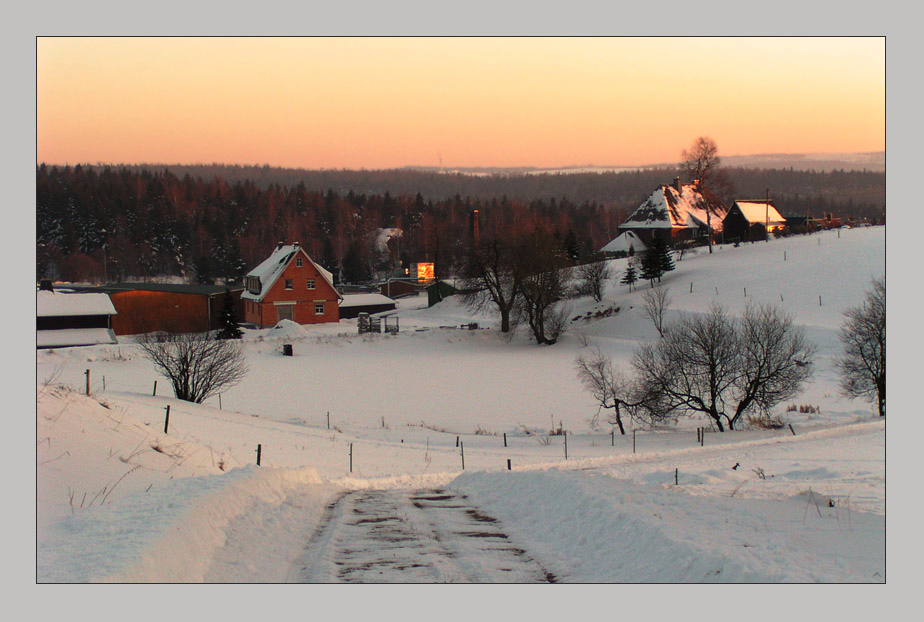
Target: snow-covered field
{"type": "Point", "coordinates": [120, 500]}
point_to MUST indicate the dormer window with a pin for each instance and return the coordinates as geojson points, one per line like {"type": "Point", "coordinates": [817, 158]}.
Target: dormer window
{"type": "Point", "coordinates": [253, 284]}
{"type": "Point", "coordinates": [298, 262]}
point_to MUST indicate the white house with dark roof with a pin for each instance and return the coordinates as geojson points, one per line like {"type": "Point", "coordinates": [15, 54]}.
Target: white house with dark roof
{"type": "Point", "coordinates": [288, 285]}
{"type": "Point", "coordinates": [676, 212]}
{"type": "Point", "coordinates": [71, 319]}
{"type": "Point", "coordinates": [626, 242]}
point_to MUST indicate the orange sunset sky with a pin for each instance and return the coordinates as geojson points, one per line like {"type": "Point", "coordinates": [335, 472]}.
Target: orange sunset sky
{"type": "Point", "coordinates": [388, 102]}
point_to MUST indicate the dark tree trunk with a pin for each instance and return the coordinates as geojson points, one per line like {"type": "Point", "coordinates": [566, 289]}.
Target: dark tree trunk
{"type": "Point", "coordinates": [881, 394]}
{"type": "Point", "coordinates": [619, 420]}
{"type": "Point", "coordinates": [505, 320]}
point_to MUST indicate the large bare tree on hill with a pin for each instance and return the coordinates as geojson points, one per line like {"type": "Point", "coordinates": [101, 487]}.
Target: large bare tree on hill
{"type": "Point", "coordinates": [702, 166]}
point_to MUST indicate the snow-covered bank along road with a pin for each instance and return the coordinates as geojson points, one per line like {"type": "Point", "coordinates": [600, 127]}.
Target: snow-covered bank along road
{"type": "Point", "coordinates": [413, 536]}
{"type": "Point", "coordinates": [589, 527]}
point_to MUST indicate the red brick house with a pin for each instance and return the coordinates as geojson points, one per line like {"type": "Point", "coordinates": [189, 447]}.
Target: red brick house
{"type": "Point", "coordinates": [290, 286]}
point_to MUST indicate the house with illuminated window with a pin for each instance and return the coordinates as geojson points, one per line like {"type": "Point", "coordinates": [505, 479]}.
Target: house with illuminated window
{"type": "Point", "coordinates": [749, 221]}
{"type": "Point", "coordinates": [288, 285]}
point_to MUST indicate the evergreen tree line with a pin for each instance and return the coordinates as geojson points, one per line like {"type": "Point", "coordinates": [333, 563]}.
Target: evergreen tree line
{"type": "Point", "coordinates": [114, 223]}
{"type": "Point", "coordinates": [612, 189]}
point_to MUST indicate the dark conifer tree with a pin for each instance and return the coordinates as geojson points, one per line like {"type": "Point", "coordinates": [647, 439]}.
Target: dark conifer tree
{"type": "Point", "coordinates": [572, 248]}
{"type": "Point", "coordinates": [229, 326]}
{"type": "Point", "coordinates": [631, 276]}
{"type": "Point", "coordinates": [651, 262]}
{"type": "Point", "coordinates": [665, 258]}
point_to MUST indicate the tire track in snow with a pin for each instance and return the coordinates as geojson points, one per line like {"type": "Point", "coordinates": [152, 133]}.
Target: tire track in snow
{"type": "Point", "coordinates": [412, 536]}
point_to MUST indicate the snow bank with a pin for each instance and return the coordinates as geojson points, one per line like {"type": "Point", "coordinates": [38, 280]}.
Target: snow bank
{"type": "Point", "coordinates": [588, 527]}
{"type": "Point", "coordinates": [172, 533]}
{"type": "Point", "coordinates": [287, 329]}
{"type": "Point", "coordinates": [185, 551]}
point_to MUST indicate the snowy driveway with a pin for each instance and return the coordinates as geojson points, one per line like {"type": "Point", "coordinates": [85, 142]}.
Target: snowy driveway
{"type": "Point", "coordinates": [412, 536]}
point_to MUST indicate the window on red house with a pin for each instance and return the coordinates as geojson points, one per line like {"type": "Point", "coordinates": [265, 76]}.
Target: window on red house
{"type": "Point", "coordinates": [288, 283]}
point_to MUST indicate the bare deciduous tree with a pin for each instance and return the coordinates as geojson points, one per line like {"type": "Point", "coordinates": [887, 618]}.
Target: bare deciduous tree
{"type": "Point", "coordinates": [701, 164]}
{"type": "Point", "coordinates": [714, 365]}
{"type": "Point", "coordinates": [197, 365]}
{"type": "Point", "coordinates": [612, 389]}
{"type": "Point", "coordinates": [492, 276]}
{"type": "Point", "coordinates": [776, 360]}
{"type": "Point", "coordinates": [542, 286]}
{"type": "Point", "coordinates": [863, 363]}
{"type": "Point", "coordinates": [592, 279]}
{"type": "Point", "coordinates": [657, 302]}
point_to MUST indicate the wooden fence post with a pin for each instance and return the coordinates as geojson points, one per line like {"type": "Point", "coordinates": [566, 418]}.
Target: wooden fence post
{"type": "Point", "coordinates": [155, 388]}
{"type": "Point", "coordinates": [633, 441]}
{"type": "Point", "coordinates": [462, 447]}
{"type": "Point", "coordinates": [351, 457]}
{"type": "Point", "coordinates": [508, 464]}
{"type": "Point", "coordinates": [565, 434]}
{"type": "Point", "coordinates": [259, 453]}
{"type": "Point", "coordinates": [167, 419]}
{"type": "Point", "coordinates": [328, 420]}
{"type": "Point", "coordinates": [505, 439]}
{"type": "Point", "coordinates": [87, 374]}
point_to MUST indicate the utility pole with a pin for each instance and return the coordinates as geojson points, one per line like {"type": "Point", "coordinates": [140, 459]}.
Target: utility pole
{"type": "Point", "coordinates": [767, 217]}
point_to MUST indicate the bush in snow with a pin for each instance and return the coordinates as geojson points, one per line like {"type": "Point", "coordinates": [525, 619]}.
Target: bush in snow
{"type": "Point", "coordinates": [197, 365]}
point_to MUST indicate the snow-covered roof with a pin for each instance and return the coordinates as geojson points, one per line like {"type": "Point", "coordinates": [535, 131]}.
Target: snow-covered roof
{"type": "Point", "coordinates": [666, 208]}
{"type": "Point", "coordinates": [364, 300]}
{"type": "Point", "coordinates": [66, 337]}
{"type": "Point", "coordinates": [759, 211]}
{"type": "Point", "coordinates": [48, 304]}
{"type": "Point", "coordinates": [273, 266]}
{"type": "Point", "coordinates": [623, 242]}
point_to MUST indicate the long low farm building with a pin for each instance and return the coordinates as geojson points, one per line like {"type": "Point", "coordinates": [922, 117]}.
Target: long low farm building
{"type": "Point", "coordinates": [71, 319]}
{"type": "Point", "coordinates": [354, 304]}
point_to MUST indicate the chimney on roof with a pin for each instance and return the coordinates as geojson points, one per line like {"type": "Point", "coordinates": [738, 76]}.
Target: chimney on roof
{"type": "Point", "coordinates": [279, 245]}
{"type": "Point", "coordinates": [677, 185]}
{"type": "Point", "coordinates": [295, 244]}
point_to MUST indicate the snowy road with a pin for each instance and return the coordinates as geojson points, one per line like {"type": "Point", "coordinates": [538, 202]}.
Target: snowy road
{"type": "Point", "coordinates": [412, 536]}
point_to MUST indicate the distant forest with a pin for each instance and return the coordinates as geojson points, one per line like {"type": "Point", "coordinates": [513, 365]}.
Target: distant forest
{"type": "Point", "coordinates": [214, 222]}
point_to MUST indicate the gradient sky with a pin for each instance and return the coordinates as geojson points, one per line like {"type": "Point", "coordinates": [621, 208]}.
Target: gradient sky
{"type": "Point", "coordinates": [389, 102]}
